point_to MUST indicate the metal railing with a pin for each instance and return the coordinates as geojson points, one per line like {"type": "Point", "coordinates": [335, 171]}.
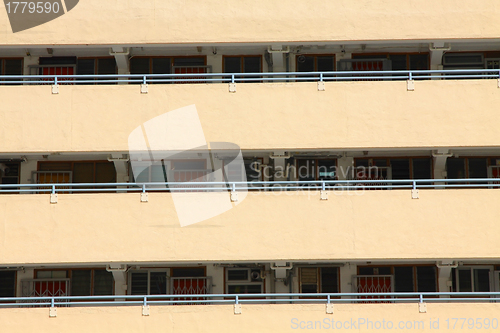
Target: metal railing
{"type": "Point", "coordinates": [314, 185]}
{"type": "Point", "coordinates": [317, 298]}
{"type": "Point", "coordinates": [256, 77]}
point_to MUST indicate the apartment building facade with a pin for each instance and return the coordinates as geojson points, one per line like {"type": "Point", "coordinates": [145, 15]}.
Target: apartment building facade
{"type": "Point", "coordinates": [346, 148]}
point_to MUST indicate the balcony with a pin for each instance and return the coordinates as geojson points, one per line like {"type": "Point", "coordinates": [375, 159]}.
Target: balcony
{"type": "Point", "coordinates": [346, 114]}
{"type": "Point", "coordinates": [339, 223]}
{"type": "Point", "coordinates": [244, 315]}
{"type": "Point", "coordinates": [151, 22]}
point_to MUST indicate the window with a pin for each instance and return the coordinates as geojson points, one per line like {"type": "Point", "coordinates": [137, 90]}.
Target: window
{"type": "Point", "coordinates": [418, 278]}
{"type": "Point", "coordinates": [7, 283]}
{"type": "Point", "coordinates": [316, 169]}
{"type": "Point", "coordinates": [399, 61]}
{"type": "Point", "coordinates": [472, 279]}
{"type": "Point", "coordinates": [148, 282]}
{"type": "Point", "coordinates": [372, 169]}
{"type": "Point", "coordinates": [170, 65]}
{"type": "Point", "coordinates": [55, 66]}
{"type": "Point", "coordinates": [75, 172]}
{"type": "Point", "coordinates": [253, 169]}
{"type": "Point", "coordinates": [100, 66]}
{"type": "Point", "coordinates": [244, 281]}
{"type": "Point", "coordinates": [155, 172]}
{"type": "Point", "coordinates": [243, 64]}
{"type": "Point", "coordinates": [395, 168]}
{"type": "Point", "coordinates": [464, 167]}
{"type": "Point", "coordinates": [87, 282]}
{"type": "Point", "coordinates": [11, 66]}
{"type": "Point", "coordinates": [315, 63]}
{"type": "Point", "coordinates": [79, 282]}
{"type": "Point", "coordinates": [319, 280]}
{"type": "Point", "coordinates": [384, 62]}
{"type": "Point", "coordinates": [463, 61]}
{"type": "Point", "coordinates": [182, 281]}
{"type": "Point", "coordinates": [159, 65]}
{"type": "Point", "coordinates": [9, 172]}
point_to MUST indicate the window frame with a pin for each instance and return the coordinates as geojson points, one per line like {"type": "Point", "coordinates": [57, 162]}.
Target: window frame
{"type": "Point", "coordinates": [167, 272]}
{"type": "Point", "coordinates": [15, 282]}
{"type": "Point", "coordinates": [246, 282]}
{"type": "Point", "coordinates": [319, 280]}
{"type": "Point", "coordinates": [414, 275]}
{"type": "Point", "coordinates": [315, 56]}
{"type": "Point", "coordinates": [471, 268]}
{"type": "Point", "coordinates": [70, 277]}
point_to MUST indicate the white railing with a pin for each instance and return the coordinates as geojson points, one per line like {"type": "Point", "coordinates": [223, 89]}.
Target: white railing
{"type": "Point", "coordinates": [313, 185]}
{"type": "Point", "coordinates": [206, 77]}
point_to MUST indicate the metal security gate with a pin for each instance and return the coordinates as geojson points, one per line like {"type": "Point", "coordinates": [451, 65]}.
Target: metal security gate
{"type": "Point", "coordinates": [373, 284]}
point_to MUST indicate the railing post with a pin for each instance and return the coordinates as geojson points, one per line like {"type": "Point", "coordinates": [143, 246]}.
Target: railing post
{"type": "Point", "coordinates": [414, 191]}
{"type": "Point", "coordinates": [232, 85]}
{"type": "Point", "coordinates": [422, 307]}
{"type": "Point", "coordinates": [144, 195]}
{"type": "Point", "coordinates": [234, 194]}
{"type": "Point", "coordinates": [53, 195]}
{"type": "Point", "coordinates": [55, 86]}
{"type": "Point", "coordinates": [321, 83]}
{"type": "Point", "coordinates": [410, 84]}
{"type": "Point", "coordinates": [144, 85]}
{"type": "Point", "coordinates": [52, 309]}
{"type": "Point", "coordinates": [237, 305]}
{"type": "Point", "coordinates": [329, 305]}
{"type": "Point", "coordinates": [145, 307]}
{"type": "Point", "coordinates": [323, 194]}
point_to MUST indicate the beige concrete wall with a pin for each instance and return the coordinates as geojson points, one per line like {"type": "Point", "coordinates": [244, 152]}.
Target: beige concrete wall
{"type": "Point", "coordinates": [254, 318]}
{"type": "Point", "coordinates": [213, 21]}
{"type": "Point", "coordinates": [100, 228]}
{"type": "Point", "coordinates": [258, 116]}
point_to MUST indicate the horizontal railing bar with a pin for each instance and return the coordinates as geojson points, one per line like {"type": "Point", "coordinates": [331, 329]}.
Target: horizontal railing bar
{"type": "Point", "coordinates": [396, 297]}
{"type": "Point", "coordinates": [252, 185]}
{"type": "Point", "coordinates": [241, 296]}
{"type": "Point", "coordinates": [250, 77]}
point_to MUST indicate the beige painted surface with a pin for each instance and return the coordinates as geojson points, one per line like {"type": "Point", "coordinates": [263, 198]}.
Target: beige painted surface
{"type": "Point", "coordinates": [254, 318]}
{"type": "Point", "coordinates": [215, 21]}
{"type": "Point", "coordinates": [100, 228]}
{"type": "Point", "coordinates": [258, 116]}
